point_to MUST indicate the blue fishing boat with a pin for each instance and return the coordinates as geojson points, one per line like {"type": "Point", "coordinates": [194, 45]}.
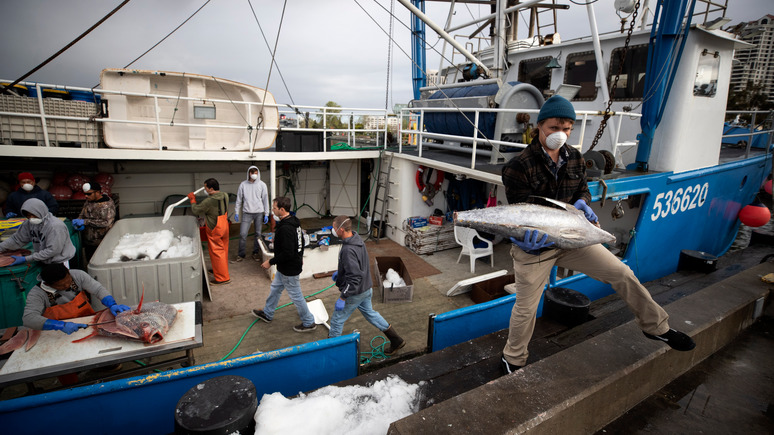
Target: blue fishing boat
{"type": "Point", "coordinates": [651, 105]}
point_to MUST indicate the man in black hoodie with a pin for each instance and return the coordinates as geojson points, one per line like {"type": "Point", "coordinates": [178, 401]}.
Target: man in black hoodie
{"type": "Point", "coordinates": [289, 259]}
{"type": "Point", "coordinates": [353, 278]}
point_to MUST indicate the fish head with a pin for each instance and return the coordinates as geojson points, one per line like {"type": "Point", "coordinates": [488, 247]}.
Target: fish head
{"type": "Point", "coordinates": [151, 330]}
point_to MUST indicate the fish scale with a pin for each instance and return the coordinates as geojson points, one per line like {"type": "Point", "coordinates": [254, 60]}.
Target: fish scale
{"type": "Point", "coordinates": [567, 227]}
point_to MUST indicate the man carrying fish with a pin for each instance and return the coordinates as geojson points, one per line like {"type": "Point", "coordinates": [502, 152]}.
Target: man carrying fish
{"type": "Point", "coordinates": [64, 294]}
{"type": "Point", "coordinates": [49, 236]}
{"type": "Point", "coordinates": [214, 209]}
{"type": "Point", "coordinates": [550, 168]}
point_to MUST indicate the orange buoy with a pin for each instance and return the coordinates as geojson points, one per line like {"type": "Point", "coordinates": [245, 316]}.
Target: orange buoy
{"type": "Point", "coordinates": [755, 215]}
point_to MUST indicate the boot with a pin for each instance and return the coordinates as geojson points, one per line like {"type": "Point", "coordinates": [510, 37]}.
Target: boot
{"type": "Point", "coordinates": [395, 341]}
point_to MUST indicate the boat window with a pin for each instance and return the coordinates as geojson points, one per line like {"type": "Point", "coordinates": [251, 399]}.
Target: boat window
{"type": "Point", "coordinates": [204, 112]}
{"type": "Point", "coordinates": [581, 70]}
{"type": "Point", "coordinates": [534, 72]}
{"type": "Point", "coordinates": [631, 82]}
{"type": "Point", "coordinates": [706, 83]}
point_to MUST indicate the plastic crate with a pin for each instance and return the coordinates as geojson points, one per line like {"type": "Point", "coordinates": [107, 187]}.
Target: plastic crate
{"type": "Point", "coordinates": [15, 283]}
{"type": "Point", "coordinates": [394, 294]}
{"type": "Point", "coordinates": [172, 280]}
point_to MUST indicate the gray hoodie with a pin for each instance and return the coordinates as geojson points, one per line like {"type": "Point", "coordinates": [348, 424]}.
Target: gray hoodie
{"type": "Point", "coordinates": [252, 196]}
{"type": "Point", "coordinates": [50, 239]}
{"type": "Point", "coordinates": [354, 272]}
{"type": "Point", "coordinates": [38, 297]}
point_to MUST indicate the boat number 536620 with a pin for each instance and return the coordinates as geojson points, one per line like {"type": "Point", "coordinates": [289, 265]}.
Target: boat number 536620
{"type": "Point", "coordinates": [674, 201]}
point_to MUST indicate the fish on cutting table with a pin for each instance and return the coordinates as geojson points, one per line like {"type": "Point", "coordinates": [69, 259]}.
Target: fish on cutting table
{"type": "Point", "coordinates": [565, 225]}
{"type": "Point", "coordinates": [23, 335]}
{"type": "Point", "coordinates": [148, 323]}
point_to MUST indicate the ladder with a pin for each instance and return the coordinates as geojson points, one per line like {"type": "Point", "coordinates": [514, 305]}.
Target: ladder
{"type": "Point", "coordinates": [378, 221]}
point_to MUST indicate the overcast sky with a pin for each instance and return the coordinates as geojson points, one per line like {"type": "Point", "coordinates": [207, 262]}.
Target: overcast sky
{"type": "Point", "coordinates": [328, 50]}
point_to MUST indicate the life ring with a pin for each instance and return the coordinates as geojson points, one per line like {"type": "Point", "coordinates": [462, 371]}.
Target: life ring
{"type": "Point", "coordinates": [428, 191]}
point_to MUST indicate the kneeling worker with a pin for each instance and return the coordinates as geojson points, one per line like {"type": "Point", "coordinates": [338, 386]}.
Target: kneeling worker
{"type": "Point", "coordinates": [64, 294]}
{"type": "Point", "coordinates": [353, 278]}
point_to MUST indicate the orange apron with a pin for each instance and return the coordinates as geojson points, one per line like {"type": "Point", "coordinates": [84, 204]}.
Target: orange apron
{"type": "Point", "coordinates": [218, 247]}
{"type": "Point", "coordinates": [78, 307]}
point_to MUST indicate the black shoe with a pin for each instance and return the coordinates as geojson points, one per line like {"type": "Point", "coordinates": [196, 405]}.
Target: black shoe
{"type": "Point", "coordinates": [302, 328]}
{"type": "Point", "coordinates": [507, 367]}
{"type": "Point", "coordinates": [675, 339]}
{"type": "Point", "coordinates": [238, 259]}
{"type": "Point", "coordinates": [216, 282]}
{"type": "Point", "coordinates": [261, 315]}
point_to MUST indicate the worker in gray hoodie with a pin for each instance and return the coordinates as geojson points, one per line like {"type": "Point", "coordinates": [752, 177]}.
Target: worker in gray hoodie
{"type": "Point", "coordinates": [252, 207]}
{"type": "Point", "coordinates": [49, 236]}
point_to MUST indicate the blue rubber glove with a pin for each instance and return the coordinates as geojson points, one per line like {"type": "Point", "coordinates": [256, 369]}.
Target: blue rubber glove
{"type": "Point", "coordinates": [18, 259]}
{"type": "Point", "coordinates": [114, 307]}
{"type": "Point", "coordinates": [335, 275]}
{"type": "Point", "coordinates": [10, 214]}
{"type": "Point", "coordinates": [582, 206]}
{"type": "Point", "coordinates": [66, 327]}
{"type": "Point", "coordinates": [340, 304]}
{"type": "Point", "coordinates": [265, 219]}
{"type": "Point", "coordinates": [78, 223]}
{"type": "Point", "coordinates": [79, 228]}
{"type": "Point", "coordinates": [236, 217]}
{"type": "Point", "coordinates": [532, 241]}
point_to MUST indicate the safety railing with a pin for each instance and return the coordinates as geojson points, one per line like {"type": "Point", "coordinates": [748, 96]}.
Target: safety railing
{"type": "Point", "coordinates": [415, 136]}
{"type": "Point", "coordinates": [756, 134]}
{"type": "Point", "coordinates": [364, 125]}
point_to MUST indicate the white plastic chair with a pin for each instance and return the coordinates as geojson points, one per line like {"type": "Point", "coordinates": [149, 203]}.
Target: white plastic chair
{"type": "Point", "coordinates": [465, 237]}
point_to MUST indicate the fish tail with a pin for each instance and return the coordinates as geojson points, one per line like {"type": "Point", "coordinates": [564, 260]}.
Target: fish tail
{"type": "Point", "coordinates": [142, 296]}
{"type": "Point", "coordinates": [93, 333]}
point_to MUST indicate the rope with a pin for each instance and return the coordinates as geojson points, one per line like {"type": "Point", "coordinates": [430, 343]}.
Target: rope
{"type": "Point", "coordinates": [376, 353]}
{"type": "Point", "coordinates": [389, 57]}
{"type": "Point", "coordinates": [273, 60]}
{"type": "Point", "coordinates": [4, 88]}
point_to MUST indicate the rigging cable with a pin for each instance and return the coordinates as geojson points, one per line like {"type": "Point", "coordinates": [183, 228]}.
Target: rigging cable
{"type": "Point", "coordinates": [389, 60]}
{"type": "Point", "coordinates": [259, 121]}
{"type": "Point", "coordinates": [4, 88]}
{"type": "Point", "coordinates": [266, 41]}
{"type": "Point", "coordinates": [168, 35]}
{"type": "Point", "coordinates": [454, 105]}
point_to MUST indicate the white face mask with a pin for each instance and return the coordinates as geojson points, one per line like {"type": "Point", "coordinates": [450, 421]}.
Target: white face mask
{"type": "Point", "coordinates": [556, 140]}
{"type": "Point", "coordinates": [276, 218]}
{"type": "Point", "coordinates": [206, 193]}
{"type": "Point", "coordinates": [333, 232]}
{"type": "Point", "coordinates": [36, 221]}
{"type": "Point", "coordinates": [253, 177]}
{"type": "Point", "coordinates": [27, 187]}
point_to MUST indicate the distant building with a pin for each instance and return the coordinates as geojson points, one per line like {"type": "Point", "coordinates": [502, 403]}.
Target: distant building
{"type": "Point", "coordinates": [377, 123]}
{"type": "Point", "coordinates": [755, 64]}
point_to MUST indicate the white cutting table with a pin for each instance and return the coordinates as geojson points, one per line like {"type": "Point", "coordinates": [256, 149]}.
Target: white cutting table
{"type": "Point", "coordinates": [56, 354]}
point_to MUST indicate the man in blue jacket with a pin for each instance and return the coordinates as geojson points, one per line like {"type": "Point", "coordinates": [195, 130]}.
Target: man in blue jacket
{"type": "Point", "coordinates": [353, 278]}
{"type": "Point", "coordinates": [27, 190]}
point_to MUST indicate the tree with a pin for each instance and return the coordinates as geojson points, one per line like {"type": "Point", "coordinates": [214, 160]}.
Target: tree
{"type": "Point", "coordinates": [331, 119]}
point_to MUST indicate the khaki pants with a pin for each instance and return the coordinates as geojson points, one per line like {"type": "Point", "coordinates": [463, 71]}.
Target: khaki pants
{"type": "Point", "coordinates": [532, 273]}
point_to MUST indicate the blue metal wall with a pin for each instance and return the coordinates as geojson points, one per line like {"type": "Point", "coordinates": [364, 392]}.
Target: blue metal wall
{"type": "Point", "coordinates": [146, 404]}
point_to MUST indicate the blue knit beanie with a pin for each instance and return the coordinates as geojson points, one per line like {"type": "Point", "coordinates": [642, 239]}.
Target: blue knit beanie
{"type": "Point", "coordinates": [556, 107]}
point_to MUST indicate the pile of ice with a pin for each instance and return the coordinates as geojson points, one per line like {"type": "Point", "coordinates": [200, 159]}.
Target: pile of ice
{"type": "Point", "coordinates": [393, 279]}
{"type": "Point", "coordinates": [339, 410]}
{"type": "Point", "coordinates": [151, 246]}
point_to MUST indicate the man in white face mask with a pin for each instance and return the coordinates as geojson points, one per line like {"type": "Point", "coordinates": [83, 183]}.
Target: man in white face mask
{"type": "Point", "coordinates": [550, 168]}
{"type": "Point", "coordinates": [27, 190]}
{"type": "Point", "coordinates": [49, 236]}
{"type": "Point", "coordinates": [251, 208]}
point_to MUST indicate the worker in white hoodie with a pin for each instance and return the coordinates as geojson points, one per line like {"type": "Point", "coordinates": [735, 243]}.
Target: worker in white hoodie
{"type": "Point", "coordinates": [252, 207]}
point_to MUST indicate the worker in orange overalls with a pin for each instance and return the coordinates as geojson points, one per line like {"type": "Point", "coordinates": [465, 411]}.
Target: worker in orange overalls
{"type": "Point", "coordinates": [214, 209]}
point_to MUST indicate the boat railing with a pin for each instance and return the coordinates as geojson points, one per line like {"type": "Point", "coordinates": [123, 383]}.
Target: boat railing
{"type": "Point", "coordinates": [369, 126]}
{"type": "Point", "coordinates": [414, 136]}
{"type": "Point", "coordinates": [760, 134]}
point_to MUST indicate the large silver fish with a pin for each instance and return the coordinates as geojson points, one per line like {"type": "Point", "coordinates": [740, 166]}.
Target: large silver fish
{"type": "Point", "coordinates": [567, 226]}
{"type": "Point", "coordinates": [148, 323]}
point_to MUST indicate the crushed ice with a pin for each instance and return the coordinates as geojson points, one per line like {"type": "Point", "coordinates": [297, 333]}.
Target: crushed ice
{"type": "Point", "coordinates": [151, 246]}
{"type": "Point", "coordinates": [339, 410]}
{"type": "Point", "coordinates": [393, 279]}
